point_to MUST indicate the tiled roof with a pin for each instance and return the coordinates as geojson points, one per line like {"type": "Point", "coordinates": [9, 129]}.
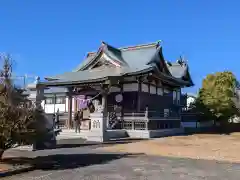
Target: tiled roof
{"type": "Point", "coordinates": [134, 56]}
{"type": "Point", "coordinates": [52, 90]}
{"type": "Point", "coordinates": [132, 59]}
{"type": "Point", "coordinates": [94, 74]}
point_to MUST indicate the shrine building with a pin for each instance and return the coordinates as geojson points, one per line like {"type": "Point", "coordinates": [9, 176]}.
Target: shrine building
{"type": "Point", "coordinates": [133, 89]}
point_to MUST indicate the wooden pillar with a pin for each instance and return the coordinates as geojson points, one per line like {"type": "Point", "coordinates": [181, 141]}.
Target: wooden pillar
{"type": "Point", "coordinates": [122, 103]}
{"type": "Point", "coordinates": [156, 83]}
{"type": "Point", "coordinates": [104, 107]}
{"type": "Point", "coordinates": [75, 105]}
{"type": "Point", "coordinates": [69, 120]}
{"type": "Point", "coordinates": [139, 94]}
{"type": "Point", "coordinates": [65, 106]}
{"type": "Point", "coordinates": [104, 102]}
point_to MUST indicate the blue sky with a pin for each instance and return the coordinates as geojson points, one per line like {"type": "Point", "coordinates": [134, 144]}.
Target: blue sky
{"type": "Point", "coordinates": [52, 37]}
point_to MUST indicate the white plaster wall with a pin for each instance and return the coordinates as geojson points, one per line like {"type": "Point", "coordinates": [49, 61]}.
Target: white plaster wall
{"type": "Point", "coordinates": [166, 90]}
{"type": "Point", "coordinates": [174, 95]}
{"type": "Point", "coordinates": [130, 87]}
{"type": "Point", "coordinates": [144, 88]}
{"type": "Point", "coordinates": [49, 108]}
{"type": "Point", "coordinates": [159, 91]}
{"type": "Point", "coordinates": [73, 104]}
{"type": "Point", "coordinates": [61, 107]}
{"type": "Point", "coordinates": [152, 89]}
{"type": "Point", "coordinates": [115, 89]}
{"type": "Point", "coordinates": [66, 104]}
{"type": "Point", "coordinates": [126, 79]}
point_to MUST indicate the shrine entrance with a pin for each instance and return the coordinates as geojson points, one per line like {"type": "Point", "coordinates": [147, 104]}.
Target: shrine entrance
{"type": "Point", "coordinates": [89, 100]}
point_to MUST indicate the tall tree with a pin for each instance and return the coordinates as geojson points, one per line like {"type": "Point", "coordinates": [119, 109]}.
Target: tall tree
{"type": "Point", "coordinates": [20, 121]}
{"type": "Point", "coordinates": [217, 93]}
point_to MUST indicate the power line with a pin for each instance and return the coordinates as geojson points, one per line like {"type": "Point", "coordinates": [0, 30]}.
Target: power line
{"type": "Point", "coordinates": [24, 78]}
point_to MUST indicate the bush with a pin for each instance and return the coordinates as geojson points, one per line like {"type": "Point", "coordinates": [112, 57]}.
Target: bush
{"type": "Point", "coordinates": [20, 121]}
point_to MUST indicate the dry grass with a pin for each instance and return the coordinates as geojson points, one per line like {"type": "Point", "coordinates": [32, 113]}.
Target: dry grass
{"type": "Point", "coordinates": [201, 146]}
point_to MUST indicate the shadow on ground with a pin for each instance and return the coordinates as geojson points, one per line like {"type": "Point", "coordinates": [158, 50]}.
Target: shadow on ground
{"type": "Point", "coordinates": [67, 161]}
{"type": "Point", "coordinates": [73, 143]}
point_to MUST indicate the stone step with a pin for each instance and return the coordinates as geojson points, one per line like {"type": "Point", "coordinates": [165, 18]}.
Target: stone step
{"type": "Point", "coordinates": [24, 148]}
{"type": "Point", "coordinates": [70, 133]}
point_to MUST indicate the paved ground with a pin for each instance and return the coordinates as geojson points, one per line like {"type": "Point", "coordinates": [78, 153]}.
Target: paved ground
{"type": "Point", "coordinates": [85, 163]}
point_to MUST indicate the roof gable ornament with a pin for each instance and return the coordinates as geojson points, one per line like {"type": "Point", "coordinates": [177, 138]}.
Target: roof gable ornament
{"type": "Point", "coordinates": [182, 61]}
{"type": "Point", "coordinates": [103, 44]}
{"type": "Point", "coordinates": [158, 43]}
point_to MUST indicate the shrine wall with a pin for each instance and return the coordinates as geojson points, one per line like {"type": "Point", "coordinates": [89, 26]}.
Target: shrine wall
{"type": "Point", "coordinates": [156, 98]}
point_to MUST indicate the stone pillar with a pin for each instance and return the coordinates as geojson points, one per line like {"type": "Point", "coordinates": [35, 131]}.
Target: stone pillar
{"type": "Point", "coordinates": [36, 92]}
{"type": "Point", "coordinates": [98, 130]}
{"type": "Point", "coordinates": [39, 96]}
{"type": "Point", "coordinates": [70, 114]}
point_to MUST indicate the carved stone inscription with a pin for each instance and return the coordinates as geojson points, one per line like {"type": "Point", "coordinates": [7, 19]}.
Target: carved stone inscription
{"type": "Point", "coordinates": [96, 124]}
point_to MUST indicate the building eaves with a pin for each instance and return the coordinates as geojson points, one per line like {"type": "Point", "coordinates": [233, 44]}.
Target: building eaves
{"type": "Point", "coordinates": [95, 75]}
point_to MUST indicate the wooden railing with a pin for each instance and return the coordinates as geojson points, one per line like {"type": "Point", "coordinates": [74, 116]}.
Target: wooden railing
{"type": "Point", "coordinates": [148, 120]}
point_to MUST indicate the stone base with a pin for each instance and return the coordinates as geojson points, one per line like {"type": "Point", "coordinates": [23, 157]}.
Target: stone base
{"type": "Point", "coordinates": [121, 133]}
{"type": "Point", "coordinates": [85, 125]}
{"type": "Point", "coordinates": [145, 134]}
{"type": "Point", "coordinates": [96, 136]}
{"type": "Point", "coordinates": [98, 128]}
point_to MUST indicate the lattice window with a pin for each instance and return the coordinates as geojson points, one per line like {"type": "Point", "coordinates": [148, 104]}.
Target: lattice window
{"type": "Point", "coordinates": [140, 125]}
{"type": "Point", "coordinates": [127, 125]}
{"type": "Point", "coordinates": [60, 100]}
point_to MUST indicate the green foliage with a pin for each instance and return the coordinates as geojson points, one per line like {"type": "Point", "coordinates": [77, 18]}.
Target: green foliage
{"type": "Point", "coordinates": [20, 121]}
{"type": "Point", "coordinates": [204, 114]}
{"type": "Point", "coordinates": [215, 98]}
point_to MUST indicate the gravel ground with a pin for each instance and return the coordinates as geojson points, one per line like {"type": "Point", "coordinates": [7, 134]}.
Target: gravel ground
{"type": "Point", "coordinates": [86, 163]}
{"type": "Point", "coordinates": [199, 146]}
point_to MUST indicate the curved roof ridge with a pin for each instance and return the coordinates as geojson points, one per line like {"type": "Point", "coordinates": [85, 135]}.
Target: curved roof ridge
{"type": "Point", "coordinates": [130, 47]}
{"type": "Point", "coordinates": [139, 46]}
